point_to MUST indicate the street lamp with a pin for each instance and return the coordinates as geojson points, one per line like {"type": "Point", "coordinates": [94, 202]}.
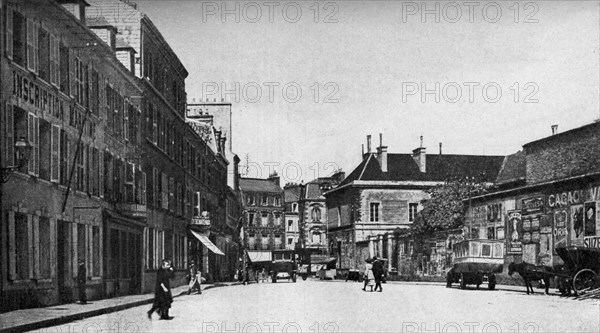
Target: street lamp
{"type": "Point", "coordinates": [22, 153]}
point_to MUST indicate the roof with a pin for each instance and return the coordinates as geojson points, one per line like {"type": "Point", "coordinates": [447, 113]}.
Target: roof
{"type": "Point", "coordinates": [121, 44]}
{"type": "Point", "coordinates": [98, 22]}
{"type": "Point", "coordinates": [594, 127]}
{"type": "Point", "coordinates": [259, 185]}
{"type": "Point", "coordinates": [513, 169]}
{"type": "Point", "coordinates": [402, 167]}
{"type": "Point", "coordinates": [291, 193]}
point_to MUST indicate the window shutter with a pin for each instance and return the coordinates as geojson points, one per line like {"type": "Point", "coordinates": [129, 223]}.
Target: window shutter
{"type": "Point", "coordinates": [30, 49]}
{"type": "Point", "coordinates": [36, 147]}
{"type": "Point", "coordinates": [9, 135]}
{"type": "Point", "coordinates": [36, 47]}
{"type": "Point", "coordinates": [101, 173]}
{"type": "Point", "coordinates": [31, 139]}
{"type": "Point", "coordinates": [55, 154]}
{"type": "Point", "coordinates": [9, 31]}
{"type": "Point", "coordinates": [72, 74]}
{"type": "Point", "coordinates": [143, 188]}
{"type": "Point", "coordinates": [12, 260]}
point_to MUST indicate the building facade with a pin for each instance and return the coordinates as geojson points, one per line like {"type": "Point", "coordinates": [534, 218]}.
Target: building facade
{"type": "Point", "coordinates": [264, 211]}
{"type": "Point", "coordinates": [292, 228]}
{"type": "Point", "coordinates": [116, 177]}
{"type": "Point", "coordinates": [383, 195]}
{"type": "Point", "coordinates": [548, 197]}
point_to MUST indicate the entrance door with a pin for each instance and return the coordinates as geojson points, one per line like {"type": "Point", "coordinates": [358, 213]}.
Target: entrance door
{"type": "Point", "coordinates": [63, 269]}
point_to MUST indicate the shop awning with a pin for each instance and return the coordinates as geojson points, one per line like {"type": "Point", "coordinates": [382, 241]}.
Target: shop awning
{"type": "Point", "coordinates": [260, 256]}
{"type": "Point", "coordinates": [210, 245]}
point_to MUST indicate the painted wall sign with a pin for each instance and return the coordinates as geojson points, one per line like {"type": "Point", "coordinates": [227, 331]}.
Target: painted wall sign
{"type": "Point", "coordinates": [514, 232]}
{"type": "Point", "coordinates": [563, 199]}
{"type": "Point", "coordinates": [593, 242]}
{"type": "Point", "coordinates": [532, 205]}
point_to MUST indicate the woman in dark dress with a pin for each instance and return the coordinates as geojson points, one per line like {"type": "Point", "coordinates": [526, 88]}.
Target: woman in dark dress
{"type": "Point", "coordinates": [162, 292]}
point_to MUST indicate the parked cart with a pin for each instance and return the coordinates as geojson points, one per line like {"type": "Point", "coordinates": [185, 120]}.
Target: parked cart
{"type": "Point", "coordinates": [582, 267]}
{"type": "Point", "coordinates": [476, 261]}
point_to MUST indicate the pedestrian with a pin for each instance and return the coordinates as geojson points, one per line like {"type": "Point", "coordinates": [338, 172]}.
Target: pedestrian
{"type": "Point", "coordinates": [377, 273]}
{"type": "Point", "coordinates": [263, 275]}
{"type": "Point", "coordinates": [81, 280]}
{"type": "Point", "coordinates": [194, 279]}
{"type": "Point", "coordinates": [162, 291]}
{"type": "Point", "coordinates": [368, 275]}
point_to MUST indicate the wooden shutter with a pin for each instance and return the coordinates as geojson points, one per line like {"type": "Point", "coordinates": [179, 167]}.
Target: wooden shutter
{"type": "Point", "coordinates": [9, 30]}
{"type": "Point", "coordinates": [101, 173]}
{"type": "Point", "coordinates": [9, 136]}
{"type": "Point", "coordinates": [30, 49]}
{"type": "Point", "coordinates": [55, 154]}
{"type": "Point", "coordinates": [72, 74]}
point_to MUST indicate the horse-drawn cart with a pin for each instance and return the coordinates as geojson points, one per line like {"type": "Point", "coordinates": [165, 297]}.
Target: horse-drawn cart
{"type": "Point", "coordinates": [582, 266]}
{"type": "Point", "coordinates": [476, 261]}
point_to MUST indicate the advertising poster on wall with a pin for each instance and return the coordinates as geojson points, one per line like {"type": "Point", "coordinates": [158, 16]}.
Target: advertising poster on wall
{"type": "Point", "coordinates": [514, 235]}
{"type": "Point", "coordinates": [530, 253]}
{"type": "Point", "coordinates": [576, 229]}
{"type": "Point", "coordinates": [560, 228]}
{"type": "Point", "coordinates": [545, 255]}
{"type": "Point", "coordinates": [589, 212]}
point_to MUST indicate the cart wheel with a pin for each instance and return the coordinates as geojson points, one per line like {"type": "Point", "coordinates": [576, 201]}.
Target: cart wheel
{"type": "Point", "coordinates": [584, 281]}
{"type": "Point", "coordinates": [294, 277]}
{"type": "Point", "coordinates": [463, 283]}
{"type": "Point", "coordinates": [492, 282]}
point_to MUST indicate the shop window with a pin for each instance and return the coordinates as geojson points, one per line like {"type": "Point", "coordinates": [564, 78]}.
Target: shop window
{"type": "Point", "coordinates": [45, 255]}
{"type": "Point", "coordinates": [412, 211]}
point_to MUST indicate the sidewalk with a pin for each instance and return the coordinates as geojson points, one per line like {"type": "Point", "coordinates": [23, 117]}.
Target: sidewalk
{"type": "Point", "coordinates": [30, 319]}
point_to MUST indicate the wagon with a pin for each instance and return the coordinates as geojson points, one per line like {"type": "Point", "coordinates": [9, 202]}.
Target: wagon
{"type": "Point", "coordinates": [582, 266]}
{"type": "Point", "coordinates": [476, 261]}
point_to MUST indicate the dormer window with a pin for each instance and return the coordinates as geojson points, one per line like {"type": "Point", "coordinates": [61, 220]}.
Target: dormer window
{"type": "Point", "coordinates": [75, 7]}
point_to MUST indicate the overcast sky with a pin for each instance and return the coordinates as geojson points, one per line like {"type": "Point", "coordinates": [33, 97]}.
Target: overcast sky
{"type": "Point", "coordinates": [371, 61]}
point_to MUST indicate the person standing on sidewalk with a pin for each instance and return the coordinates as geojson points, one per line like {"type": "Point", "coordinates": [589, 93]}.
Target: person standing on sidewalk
{"type": "Point", "coordinates": [378, 273]}
{"type": "Point", "coordinates": [81, 280]}
{"type": "Point", "coordinates": [162, 291]}
{"type": "Point", "coordinates": [195, 279]}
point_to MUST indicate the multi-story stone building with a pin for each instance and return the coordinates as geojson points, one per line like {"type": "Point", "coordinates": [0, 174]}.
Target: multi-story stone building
{"type": "Point", "coordinates": [263, 205]}
{"type": "Point", "coordinates": [217, 117]}
{"type": "Point", "coordinates": [116, 177]}
{"type": "Point", "coordinates": [384, 193]}
{"type": "Point", "coordinates": [186, 172]}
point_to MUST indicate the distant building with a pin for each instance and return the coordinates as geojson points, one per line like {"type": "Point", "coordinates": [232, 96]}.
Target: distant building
{"type": "Point", "coordinates": [292, 229]}
{"type": "Point", "coordinates": [384, 193]}
{"type": "Point", "coordinates": [264, 211]}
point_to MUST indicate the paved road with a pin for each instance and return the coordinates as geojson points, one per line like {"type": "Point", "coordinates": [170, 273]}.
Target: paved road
{"type": "Point", "coordinates": [332, 306]}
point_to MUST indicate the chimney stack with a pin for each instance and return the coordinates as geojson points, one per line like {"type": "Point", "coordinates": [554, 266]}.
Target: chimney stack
{"type": "Point", "coordinates": [369, 143]}
{"type": "Point", "coordinates": [440, 148]}
{"type": "Point", "coordinates": [363, 151]}
{"type": "Point", "coordinates": [419, 156]}
{"type": "Point", "coordinates": [554, 129]}
{"type": "Point", "coordinates": [382, 155]}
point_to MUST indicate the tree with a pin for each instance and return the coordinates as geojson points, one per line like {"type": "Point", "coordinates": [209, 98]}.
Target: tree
{"type": "Point", "coordinates": [445, 209]}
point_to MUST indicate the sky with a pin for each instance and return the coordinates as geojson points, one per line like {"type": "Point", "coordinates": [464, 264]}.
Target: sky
{"type": "Point", "coordinates": [315, 78]}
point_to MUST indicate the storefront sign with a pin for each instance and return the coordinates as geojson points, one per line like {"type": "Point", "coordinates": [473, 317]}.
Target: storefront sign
{"type": "Point", "coordinates": [532, 205]}
{"type": "Point", "coordinates": [514, 232]}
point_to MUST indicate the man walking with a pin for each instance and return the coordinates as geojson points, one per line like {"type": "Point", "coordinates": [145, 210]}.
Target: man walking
{"type": "Point", "coordinates": [81, 279]}
{"type": "Point", "coordinates": [162, 291]}
{"type": "Point", "coordinates": [378, 273]}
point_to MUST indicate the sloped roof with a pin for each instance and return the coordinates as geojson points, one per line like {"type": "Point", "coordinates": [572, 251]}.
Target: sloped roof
{"type": "Point", "coordinates": [402, 167]}
{"type": "Point", "coordinates": [513, 169]}
{"type": "Point", "coordinates": [259, 185]}
{"type": "Point", "coordinates": [291, 194]}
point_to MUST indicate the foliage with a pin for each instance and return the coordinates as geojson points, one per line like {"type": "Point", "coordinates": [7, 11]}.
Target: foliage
{"type": "Point", "coordinates": [446, 207]}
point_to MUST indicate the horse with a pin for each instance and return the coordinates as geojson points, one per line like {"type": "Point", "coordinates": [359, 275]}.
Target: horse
{"type": "Point", "coordinates": [531, 272]}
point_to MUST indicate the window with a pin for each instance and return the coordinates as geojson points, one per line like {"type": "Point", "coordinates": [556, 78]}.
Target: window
{"type": "Point", "coordinates": [21, 246]}
{"type": "Point", "coordinates": [250, 219]}
{"type": "Point", "coordinates": [96, 251]}
{"type": "Point", "coordinates": [264, 219]}
{"type": "Point", "coordinates": [374, 212]}
{"type": "Point", "coordinates": [294, 207]}
{"type": "Point", "coordinates": [264, 200]}
{"type": "Point", "coordinates": [277, 201]}
{"type": "Point", "coordinates": [81, 242]}
{"type": "Point", "coordinates": [151, 249]}
{"type": "Point", "coordinates": [290, 225]}
{"type": "Point", "coordinates": [290, 240]}
{"type": "Point", "coordinates": [316, 214]}
{"type": "Point", "coordinates": [64, 68]}
{"type": "Point", "coordinates": [265, 243]}
{"type": "Point", "coordinates": [45, 149]}
{"type": "Point", "coordinates": [412, 211]}
{"type": "Point", "coordinates": [19, 42]}
{"type": "Point", "coordinates": [44, 54]}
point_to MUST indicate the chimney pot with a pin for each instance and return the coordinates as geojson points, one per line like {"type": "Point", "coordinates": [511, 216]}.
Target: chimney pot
{"type": "Point", "coordinates": [440, 148]}
{"type": "Point", "coordinates": [554, 129]}
{"type": "Point", "coordinates": [380, 139]}
{"type": "Point", "coordinates": [368, 143]}
{"type": "Point", "coordinates": [421, 141]}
